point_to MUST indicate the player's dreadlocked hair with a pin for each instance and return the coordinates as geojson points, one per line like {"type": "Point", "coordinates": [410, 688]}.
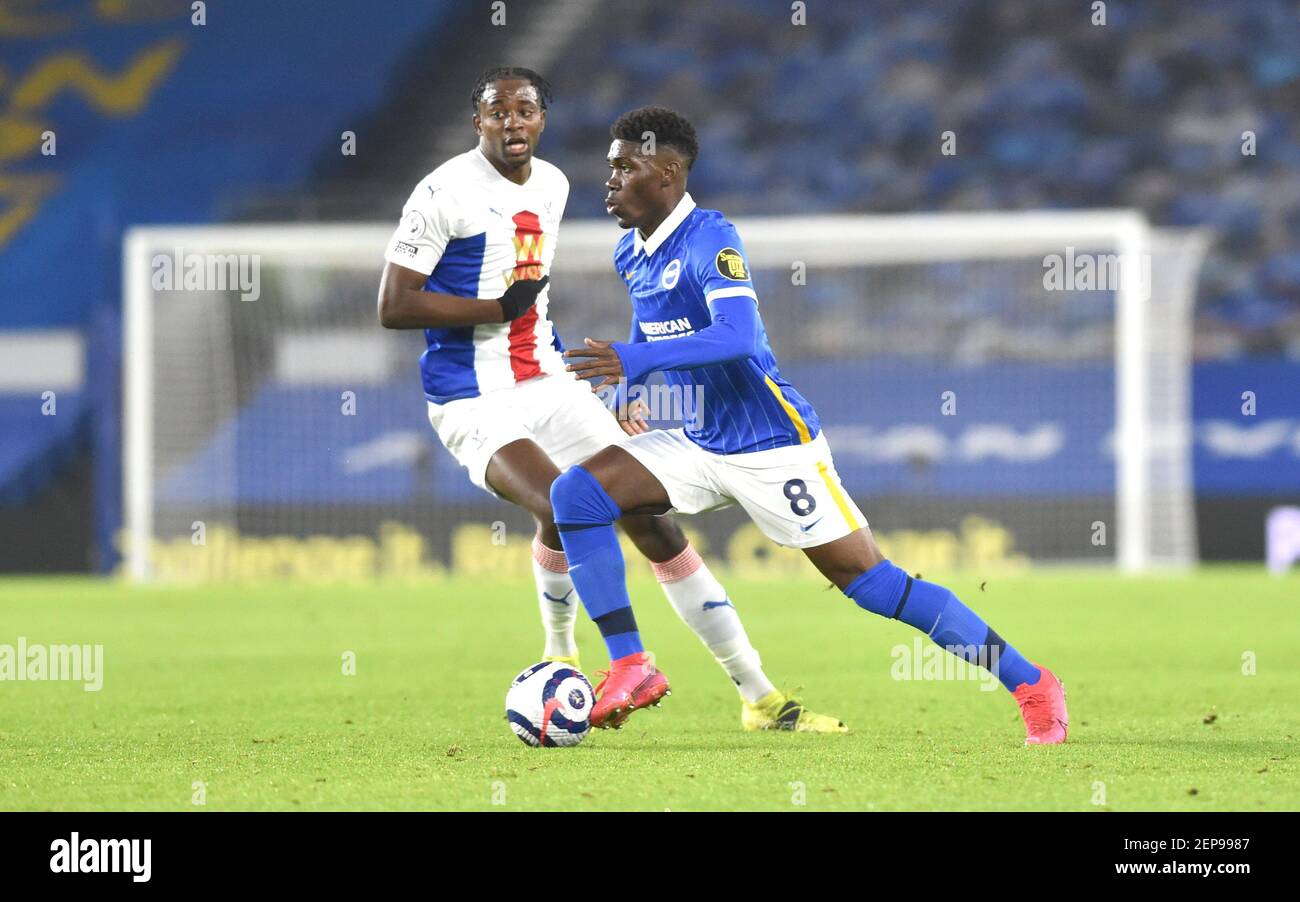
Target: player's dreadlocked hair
{"type": "Point", "coordinates": [492, 75]}
{"type": "Point", "coordinates": [668, 127]}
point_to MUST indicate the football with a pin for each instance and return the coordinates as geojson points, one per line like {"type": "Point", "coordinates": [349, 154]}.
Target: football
{"type": "Point", "coordinates": [549, 704]}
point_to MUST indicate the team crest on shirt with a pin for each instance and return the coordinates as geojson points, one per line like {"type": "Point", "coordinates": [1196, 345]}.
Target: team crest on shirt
{"type": "Point", "coordinates": [672, 272]}
{"type": "Point", "coordinates": [731, 265]}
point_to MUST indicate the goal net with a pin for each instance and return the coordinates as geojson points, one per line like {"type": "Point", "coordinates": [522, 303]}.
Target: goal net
{"type": "Point", "coordinates": [997, 389]}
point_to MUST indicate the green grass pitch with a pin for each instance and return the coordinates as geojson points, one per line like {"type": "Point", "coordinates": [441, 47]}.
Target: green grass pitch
{"type": "Point", "coordinates": [242, 690]}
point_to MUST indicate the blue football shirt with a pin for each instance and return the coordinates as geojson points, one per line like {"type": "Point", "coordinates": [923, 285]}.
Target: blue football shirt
{"type": "Point", "coordinates": [692, 259]}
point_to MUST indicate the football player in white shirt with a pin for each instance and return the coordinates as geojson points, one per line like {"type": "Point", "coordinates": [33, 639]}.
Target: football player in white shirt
{"type": "Point", "coordinates": [469, 264]}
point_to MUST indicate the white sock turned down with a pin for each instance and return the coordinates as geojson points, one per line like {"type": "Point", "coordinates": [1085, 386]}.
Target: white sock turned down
{"type": "Point", "coordinates": [702, 602]}
{"type": "Point", "coordinates": [556, 599]}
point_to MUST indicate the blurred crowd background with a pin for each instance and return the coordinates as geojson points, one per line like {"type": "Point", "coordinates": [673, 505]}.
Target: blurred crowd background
{"type": "Point", "coordinates": [1048, 110]}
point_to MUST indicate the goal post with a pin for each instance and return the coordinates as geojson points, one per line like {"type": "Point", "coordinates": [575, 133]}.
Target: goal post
{"type": "Point", "coordinates": [1029, 368]}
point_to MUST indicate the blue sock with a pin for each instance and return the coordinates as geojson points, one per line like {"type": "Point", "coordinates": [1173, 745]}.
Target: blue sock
{"type": "Point", "coordinates": [888, 591]}
{"type": "Point", "coordinates": [585, 515]}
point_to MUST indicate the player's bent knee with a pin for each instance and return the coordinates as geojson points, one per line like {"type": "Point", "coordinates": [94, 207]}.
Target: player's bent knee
{"type": "Point", "coordinates": [657, 538]}
{"type": "Point", "coordinates": [577, 499]}
{"type": "Point", "coordinates": [653, 528]}
{"type": "Point", "coordinates": [880, 590]}
{"type": "Point", "coordinates": [543, 511]}
{"type": "Point", "coordinates": [538, 504]}
{"type": "Point", "coordinates": [547, 533]}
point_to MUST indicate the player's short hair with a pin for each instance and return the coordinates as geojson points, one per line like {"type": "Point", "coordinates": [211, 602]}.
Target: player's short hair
{"type": "Point", "coordinates": [669, 128]}
{"type": "Point", "coordinates": [488, 78]}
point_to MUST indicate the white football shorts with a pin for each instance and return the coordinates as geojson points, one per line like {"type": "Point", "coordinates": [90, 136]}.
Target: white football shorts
{"type": "Point", "coordinates": [793, 493]}
{"type": "Point", "coordinates": [558, 412]}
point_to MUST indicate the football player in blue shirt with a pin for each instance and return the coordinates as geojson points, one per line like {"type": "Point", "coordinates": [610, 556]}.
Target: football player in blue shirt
{"type": "Point", "coordinates": [759, 444]}
{"type": "Point", "coordinates": [467, 266]}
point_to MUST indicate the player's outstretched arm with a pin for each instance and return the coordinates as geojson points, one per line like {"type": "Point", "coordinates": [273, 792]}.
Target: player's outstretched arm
{"type": "Point", "coordinates": [733, 335]}
{"type": "Point", "coordinates": [405, 304]}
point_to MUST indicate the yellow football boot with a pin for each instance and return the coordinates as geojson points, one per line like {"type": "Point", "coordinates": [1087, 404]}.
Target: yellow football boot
{"type": "Point", "coordinates": [777, 711]}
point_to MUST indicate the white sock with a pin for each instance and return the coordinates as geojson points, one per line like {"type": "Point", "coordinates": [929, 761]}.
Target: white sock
{"type": "Point", "coordinates": [702, 602]}
{"type": "Point", "coordinates": [557, 600]}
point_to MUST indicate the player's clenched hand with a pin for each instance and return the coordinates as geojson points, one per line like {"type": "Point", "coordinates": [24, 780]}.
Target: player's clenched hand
{"type": "Point", "coordinates": [521, 295]}
{"type": "Point", "coordinates": [635, 423]}
{"type": "Point", "coordinates": [598, 358]}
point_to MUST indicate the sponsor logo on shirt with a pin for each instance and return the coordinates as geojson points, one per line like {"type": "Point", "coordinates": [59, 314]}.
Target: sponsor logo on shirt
{"type": "Point", "coordinates": [731, 265]}
{"type": "Point", "coordinates": [530, 243]}
{"type": "Point", "coordinates": [667, 328]}
{"type": "Point", "coordinates": [407, 250]}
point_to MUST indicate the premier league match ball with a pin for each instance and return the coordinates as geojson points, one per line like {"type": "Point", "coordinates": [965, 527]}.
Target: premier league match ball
{"type": "Point", "coordinates": [549, 704]}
